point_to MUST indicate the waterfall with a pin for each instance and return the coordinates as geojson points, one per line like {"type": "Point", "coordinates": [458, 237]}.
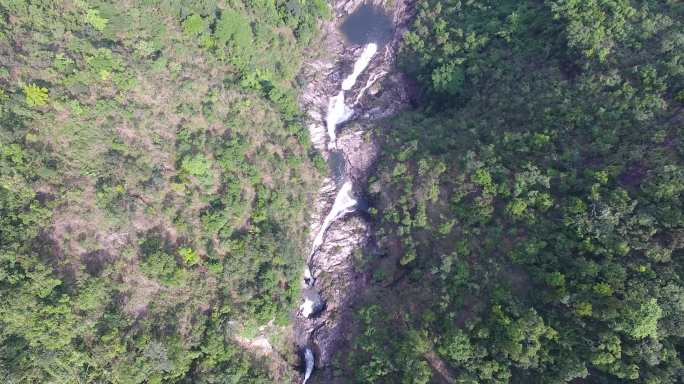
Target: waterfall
{"type": "Point", "coordinates": [307, 307]}
{"type": "Point", "coordinates": [338, 112]}
{"type": "Point", "coordinates": [308, 277]}
{"type": "Point", "coordinates": [344, 203]}
{"type": "Point", "coordinates": [309, 359]}
{"type": "Point", "coordinates": [360, 65]}
{"type": "Point", "coordinates": [371, 80]}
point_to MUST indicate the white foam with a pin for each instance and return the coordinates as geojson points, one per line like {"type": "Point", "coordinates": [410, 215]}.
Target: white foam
{"type": "Point", "coordinates": [338, 113]}
{"type": "Point", "coordinates": [360, 65]}
{"type": "Point", "coordinates": [344, 203]}
{"type": "Point", "coordinates": [307, 308]}
{"type": "Point", "coordinates": [309, 359]}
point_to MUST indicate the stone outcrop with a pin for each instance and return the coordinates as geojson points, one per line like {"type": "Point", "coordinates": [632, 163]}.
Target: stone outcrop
{"type": "Point", "coordinates": [378, 93]}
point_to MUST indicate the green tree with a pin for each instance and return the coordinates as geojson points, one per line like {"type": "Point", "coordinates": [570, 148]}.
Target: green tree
{"type": "Point", "coordinates": [194, 25]}
{"type": "Point", "coordinates": [593, 26]}
{"type": "Point", "coordinates": [95, 20]}
{"type": "Point", "coordinates": [641, 319]}
{"type": "Point", "coordinates": [234, 29]}
{"type": "Point", "coordinates": [36, 96]}
{"type": "Point", "coordinates": [189, 255]}
{"type": "Point", "coordinates": [457, 347]}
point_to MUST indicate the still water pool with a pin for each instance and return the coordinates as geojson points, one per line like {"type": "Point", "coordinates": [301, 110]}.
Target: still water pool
{"type": "Point", "coordinates": [337, 165]}
{"type": "Point", "coordinates": [368, 24]}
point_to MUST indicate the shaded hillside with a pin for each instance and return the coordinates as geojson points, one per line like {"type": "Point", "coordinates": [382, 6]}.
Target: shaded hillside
{"type": "Point", "coordinates": [529, 211]}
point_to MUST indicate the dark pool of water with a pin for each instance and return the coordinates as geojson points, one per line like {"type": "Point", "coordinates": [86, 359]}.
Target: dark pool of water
{"type": "Point", "coordinates": [368, 24]}
{"type": "Point", "coordinates": [362, 204]}
{"type": "Point", "coordinates": [338, 166]}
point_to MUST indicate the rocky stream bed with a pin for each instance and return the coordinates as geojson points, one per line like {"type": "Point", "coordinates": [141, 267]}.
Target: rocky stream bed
{"type": "Point", "coordinates": [361, 40]}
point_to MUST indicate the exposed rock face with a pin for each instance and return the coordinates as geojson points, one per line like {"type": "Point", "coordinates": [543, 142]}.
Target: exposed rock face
{"type": "Point", "coordinates": [313, 303]}
{"type": "Point", "coordinates": [378, 93]}
{"type": "Point", "coordinates": [360, 154]}
{"type": "Point", "coordinates": [339, 283]}
{"type": "Point", "coordinates": [325, 74]}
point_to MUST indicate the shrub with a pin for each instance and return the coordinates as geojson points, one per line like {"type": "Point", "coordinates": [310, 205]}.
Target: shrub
{"type": "Point", "coordinates": [36, 96]}
{"type": "Point", "coordinates": [189, 255]}
{"type": "Point", "coordinates": [95, 20]}
{"type": "Point", "coordinates": [194, 25]}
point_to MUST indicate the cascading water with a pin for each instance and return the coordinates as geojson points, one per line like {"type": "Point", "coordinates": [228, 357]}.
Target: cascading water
{"type": "Point", "coordinates": [360, 65]}
{"type": "Point", "coordinates": [371, 80]}
{"type": "Point", "coordinates": [338, 112]}
{"type": "Point", "coordinates": [309, 361]}
{"type": "Point", "coordinates": [308, 277]}
{"type": "Point", "coordinates": [344, 203]}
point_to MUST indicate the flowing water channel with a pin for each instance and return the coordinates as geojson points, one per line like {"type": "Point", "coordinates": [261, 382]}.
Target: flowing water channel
{"type": "Point", "coordinates": [370, 27]}
{"type": "Point", "coordinates": [345, 202]}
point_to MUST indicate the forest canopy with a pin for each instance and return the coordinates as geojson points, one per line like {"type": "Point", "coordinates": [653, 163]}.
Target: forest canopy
{"type": "Point", "coordinates": [154, 180]}
{"type": "Point", "coordinates": [529, 208]}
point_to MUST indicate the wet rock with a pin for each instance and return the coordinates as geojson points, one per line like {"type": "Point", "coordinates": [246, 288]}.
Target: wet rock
{"type": "Point", "coordinates": [308, 280]}
{"type": "Point", "coordinates": [360, 153]}
{"type": "Point", "coordinates": [313, 303]}
{"type": "Point", "coordinates": [379, 92]}
{"type": "Point", "coordinates": [339, 281]}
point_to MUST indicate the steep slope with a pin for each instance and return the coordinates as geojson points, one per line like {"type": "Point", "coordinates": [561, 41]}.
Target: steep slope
{"type": "Point", "coordinates": [155, 181]}
{"type": "Point", "coordinates": [347, 89]}
{"type": "Point", "coordinates": [529, 211]}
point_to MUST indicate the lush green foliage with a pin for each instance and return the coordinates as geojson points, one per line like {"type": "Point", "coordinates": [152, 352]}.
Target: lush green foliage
{"type": "Point", "coordinates": [35, 96]}
{"type": "Point", "coordinates": [531, 212]}
{"type": "Point", "coordinates": [153, 201]}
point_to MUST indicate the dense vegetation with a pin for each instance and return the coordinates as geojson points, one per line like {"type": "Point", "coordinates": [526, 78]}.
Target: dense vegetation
{"type": "Point", "coordinates": [530, 210]}
{"type": "Point", "coordinates": [154, 178]}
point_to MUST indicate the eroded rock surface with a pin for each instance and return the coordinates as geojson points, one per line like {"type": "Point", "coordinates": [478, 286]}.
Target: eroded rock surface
{"type": "Point", "coordinates": [378, 92]}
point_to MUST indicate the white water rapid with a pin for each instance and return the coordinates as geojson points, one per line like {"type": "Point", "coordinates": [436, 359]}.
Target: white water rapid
{"type": "Point", "coordinates": [308, 277]}
{"type": "Point", "coordinates": [344, 203]}
{"type": "Point", "coordinates": [360, 65]}
{"type": "Point", "coordinates": [309, 359]}
{"type": "Point", "coordinates": [307, 307]}
{"type": "Point", "coordinates": [338, 112]}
